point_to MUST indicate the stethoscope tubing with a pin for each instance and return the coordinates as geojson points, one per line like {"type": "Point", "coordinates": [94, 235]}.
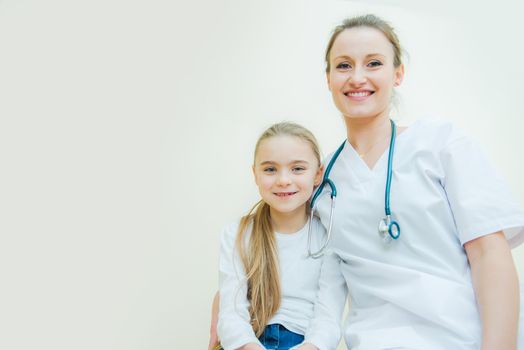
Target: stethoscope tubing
{"type": "Point", "coordinates": [386, 225]}
{"type": "Point", "coordinates": [387, 207]}
{"type": "Point", "coordinates": [320, 252]}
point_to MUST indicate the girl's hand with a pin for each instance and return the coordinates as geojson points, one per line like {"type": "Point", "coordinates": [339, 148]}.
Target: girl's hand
{"type": "Point", "coordinates": [307, 346]}
{"type": "Point", "coordinates": [251, 346]}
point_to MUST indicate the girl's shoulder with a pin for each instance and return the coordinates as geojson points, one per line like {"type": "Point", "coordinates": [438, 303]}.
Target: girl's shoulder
{"type": "Point", "coordinates": [231, 231]}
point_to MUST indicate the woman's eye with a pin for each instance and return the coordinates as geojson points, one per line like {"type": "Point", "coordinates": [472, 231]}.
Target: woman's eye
{"type": "Point", "coordinates": [343, 66]}
{"type": "Point", "coordinates": [375, 64]}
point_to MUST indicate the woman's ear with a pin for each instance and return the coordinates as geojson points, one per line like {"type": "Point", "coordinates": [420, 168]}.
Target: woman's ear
{"type": "Point", "coordinates": [328, 81]}
{"type": "Point", "coordinates": [399, 75]}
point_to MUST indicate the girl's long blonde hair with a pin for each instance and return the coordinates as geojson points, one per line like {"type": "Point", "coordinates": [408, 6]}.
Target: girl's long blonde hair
{"type": "Point", "coordinates": [259, 254]}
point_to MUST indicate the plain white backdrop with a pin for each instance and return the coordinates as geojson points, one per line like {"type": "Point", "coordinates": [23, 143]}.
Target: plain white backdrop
{"type": "Point", "coordinates": [127, 130]}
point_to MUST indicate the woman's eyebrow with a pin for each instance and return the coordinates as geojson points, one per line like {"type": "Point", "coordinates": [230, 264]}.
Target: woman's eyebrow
{"type": "Point", "coordinates": [367, 56]}
{"type": "Point", "coordinates": [343, 57]}
{"type": "Point", "coordinates": [374, 55]}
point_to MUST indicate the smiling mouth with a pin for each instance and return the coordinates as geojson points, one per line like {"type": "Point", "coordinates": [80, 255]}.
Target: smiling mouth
{"type": "Point", "coordinates": [285, 194]}
{"type": "Point", "coordinates": [358, 94]}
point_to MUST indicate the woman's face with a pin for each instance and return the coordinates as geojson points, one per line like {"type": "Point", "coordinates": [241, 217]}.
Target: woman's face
{"type": "Point", "coordinates": [362, 74]}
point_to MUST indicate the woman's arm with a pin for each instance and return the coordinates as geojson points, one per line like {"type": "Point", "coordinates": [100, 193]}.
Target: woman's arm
{"type": "Point", "coordinates": [497, 290]}
{"type": "Point", "coordinates": [324, 331]}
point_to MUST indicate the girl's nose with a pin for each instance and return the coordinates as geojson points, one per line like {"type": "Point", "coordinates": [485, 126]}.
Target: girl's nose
{"type": "Point", "coordinates": [283, 179]}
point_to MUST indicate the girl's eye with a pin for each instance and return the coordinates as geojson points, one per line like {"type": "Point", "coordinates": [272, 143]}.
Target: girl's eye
{"type": "Point", "coordinates": [298, 169]}
{"type": "Point", "coordinates": [375, 64]}
{"type": "Point", "coordinates": [269, 170]}
{"type": "Point", "coordinates": [343, 66]}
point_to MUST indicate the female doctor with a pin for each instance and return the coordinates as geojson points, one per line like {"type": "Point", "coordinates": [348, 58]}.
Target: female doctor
{"type": "Point", "coordinates": [438, 273]}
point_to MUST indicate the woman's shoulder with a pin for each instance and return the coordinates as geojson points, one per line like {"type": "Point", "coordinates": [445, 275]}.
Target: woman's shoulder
{"type": "Point", "coordinates": [434, 133]}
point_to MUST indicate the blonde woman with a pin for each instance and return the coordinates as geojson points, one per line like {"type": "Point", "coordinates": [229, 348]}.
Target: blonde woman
{"type": "Point", "coordinates": [437, 273]}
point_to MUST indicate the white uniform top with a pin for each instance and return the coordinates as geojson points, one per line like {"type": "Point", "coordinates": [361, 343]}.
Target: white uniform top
{"type": "Point", "coordinates": [416, 292]}
{"type": "Point", "coordinates": [299, 278]}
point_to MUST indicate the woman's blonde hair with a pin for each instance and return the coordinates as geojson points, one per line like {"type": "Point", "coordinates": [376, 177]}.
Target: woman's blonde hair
{"type": "Point", "coordinates": [260, 255]}
{"type": "Point", "coordinates": [371, 21]}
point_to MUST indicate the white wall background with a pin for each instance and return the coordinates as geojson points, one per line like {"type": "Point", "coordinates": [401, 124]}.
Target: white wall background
{"type": "Point", "coordinates": [126, 133]}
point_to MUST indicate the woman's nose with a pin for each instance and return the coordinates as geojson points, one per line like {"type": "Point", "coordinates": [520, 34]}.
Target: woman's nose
{"type": "Point", "coordinates": [358, 77]}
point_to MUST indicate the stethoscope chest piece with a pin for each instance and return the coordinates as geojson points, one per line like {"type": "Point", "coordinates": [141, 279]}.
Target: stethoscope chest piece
{"type": "Point", "coordinates": [389, 229]}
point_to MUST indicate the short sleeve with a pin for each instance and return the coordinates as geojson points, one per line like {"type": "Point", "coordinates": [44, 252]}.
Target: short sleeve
{"type": "Point", "coordinates": [479, 198]}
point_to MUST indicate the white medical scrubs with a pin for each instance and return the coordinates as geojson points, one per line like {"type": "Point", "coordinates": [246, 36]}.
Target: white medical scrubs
{"type": "Point", "coordinates": [416, 293]}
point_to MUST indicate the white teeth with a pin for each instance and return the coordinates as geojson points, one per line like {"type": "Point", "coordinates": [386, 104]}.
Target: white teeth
{"type": "Point", "coordinates": [285, 194]}
{"type": "Point", "coordinates": [359, 93]}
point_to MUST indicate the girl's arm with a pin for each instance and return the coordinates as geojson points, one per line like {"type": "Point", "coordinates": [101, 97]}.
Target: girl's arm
{"type": "Point", "coordinates": [213, 338]}
{"type": "Point", "coordinates": [497, 290]}
{"type": "Point", "coordinates": [234, 327]}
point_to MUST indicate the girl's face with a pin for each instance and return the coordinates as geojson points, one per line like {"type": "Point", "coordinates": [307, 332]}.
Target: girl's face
{"type": "Point", "coordinates": [286, 171]}
{"type": "Point", "coordinates": [362, 74]}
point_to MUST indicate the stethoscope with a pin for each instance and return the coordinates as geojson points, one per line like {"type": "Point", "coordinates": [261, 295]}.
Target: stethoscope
{"type": "Point", "coordinates": [388, 228]}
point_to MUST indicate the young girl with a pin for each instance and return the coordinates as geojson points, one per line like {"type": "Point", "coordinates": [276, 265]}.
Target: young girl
{"type": "Point", "coordinates": [268, 284]}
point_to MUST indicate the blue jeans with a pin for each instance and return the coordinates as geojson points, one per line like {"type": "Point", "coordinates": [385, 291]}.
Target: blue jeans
{"type": "Point", "coordinates": [278, 337]}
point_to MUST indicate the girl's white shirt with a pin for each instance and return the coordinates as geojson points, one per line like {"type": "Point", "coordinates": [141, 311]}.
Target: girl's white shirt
{"type": "Point", "coordinates": [416, 293]}
{"type": "Point", "coordinates": [299, 278]}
